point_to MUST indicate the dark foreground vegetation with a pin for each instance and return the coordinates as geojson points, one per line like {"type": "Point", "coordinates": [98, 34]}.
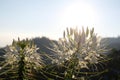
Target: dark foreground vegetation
{"type": "Point", "coordinates": [24, 61]}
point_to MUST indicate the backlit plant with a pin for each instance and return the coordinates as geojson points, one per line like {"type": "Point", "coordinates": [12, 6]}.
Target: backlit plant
{"type": "Point", "coordinates": [77, 49]}
{"type": "Point", "coordinates": [22, 59]}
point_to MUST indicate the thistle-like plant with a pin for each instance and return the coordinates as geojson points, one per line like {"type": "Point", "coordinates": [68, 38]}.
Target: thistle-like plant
{"type": "Point", "coordinates": [22, 58]}
{"type": "Point", "coordinates": [77, 49]}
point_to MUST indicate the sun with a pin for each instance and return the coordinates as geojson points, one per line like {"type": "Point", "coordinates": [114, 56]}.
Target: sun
{"type": "Point", "coordinates": [78, 14]}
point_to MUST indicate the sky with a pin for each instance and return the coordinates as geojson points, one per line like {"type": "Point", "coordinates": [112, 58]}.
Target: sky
{"type": "Point", "coordinates": [49, 18]}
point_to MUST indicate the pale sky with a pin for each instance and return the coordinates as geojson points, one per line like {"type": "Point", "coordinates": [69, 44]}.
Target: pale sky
{"type": "Point", "coordinates": [36, 18]}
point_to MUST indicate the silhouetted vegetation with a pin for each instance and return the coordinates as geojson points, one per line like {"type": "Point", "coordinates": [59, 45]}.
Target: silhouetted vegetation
{"type": "Point", "coordinates": [20, 67]}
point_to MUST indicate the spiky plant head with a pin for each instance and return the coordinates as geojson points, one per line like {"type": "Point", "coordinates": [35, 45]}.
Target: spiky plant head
{"type": "Point", "coordinates": [21, 60]}
{"type": "Point", "coordinates": [29, 51]}
{"type": "Point", "coordinates": [82, 45]}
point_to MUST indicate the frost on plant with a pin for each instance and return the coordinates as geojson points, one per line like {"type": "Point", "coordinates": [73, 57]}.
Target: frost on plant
{"type": "Point", "coordinates": [83, 46]}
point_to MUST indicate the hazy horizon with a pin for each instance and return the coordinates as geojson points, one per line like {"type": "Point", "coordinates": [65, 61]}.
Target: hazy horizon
{"type": "Point", "coordinates": [37, 18]}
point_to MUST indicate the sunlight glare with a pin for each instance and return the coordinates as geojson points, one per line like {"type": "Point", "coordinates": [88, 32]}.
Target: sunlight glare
{"type": "Point", "coordinates": [78, 15]}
